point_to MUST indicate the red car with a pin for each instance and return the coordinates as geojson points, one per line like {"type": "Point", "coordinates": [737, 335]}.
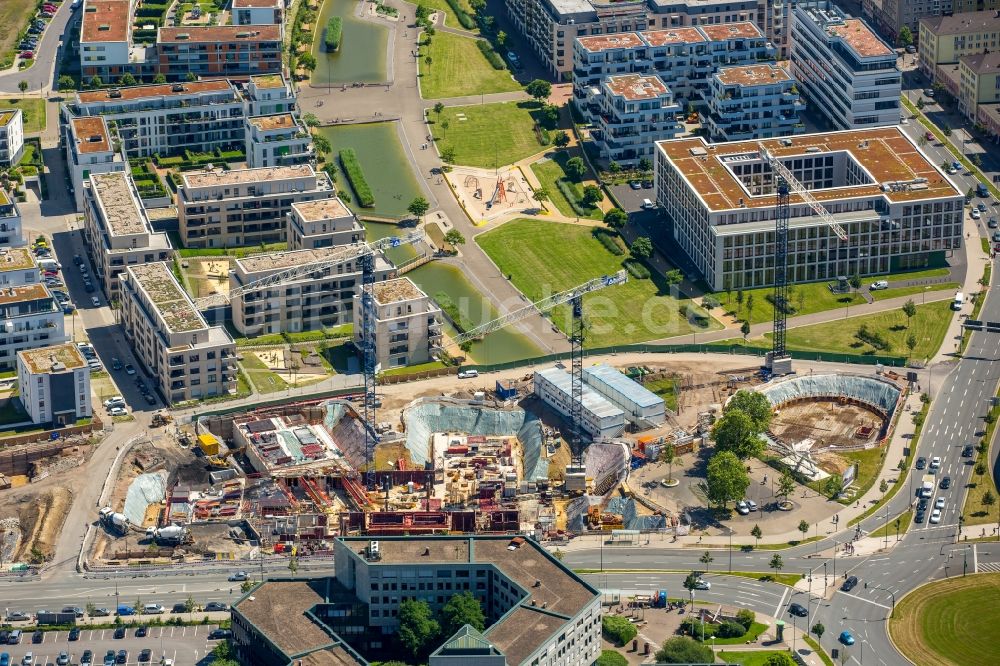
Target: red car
{"type": "Point", "coordinates": [50, 8]}
{"type": "Point", "coordinates": [27, 55]}
{"type": "Point", "coordinates": [929, 136]}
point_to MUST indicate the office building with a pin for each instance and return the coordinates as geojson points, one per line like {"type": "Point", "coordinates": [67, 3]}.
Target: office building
{"type": "Point", "coordinates": [116, 230]}
{"type": "Point", "coordinates": [322, 223]}
{"type": "Point", "coordinates": [642, 407]}
{"type": "Point", "coordinates": [167, 119]}
{"type": "Point", "coordinates": [752, 102]}
{"type": "Point", "coordinates": [309, 302]}
{"type": "Point", "coordinates": [17, 267]}
{"type": "Point", "coordinates": [29, 318]}
{"type": "Point", "coordinates": [106, 49]}
{"type": "Point", "coordinates": [187, 358]}
{"type": "Point", "coordinates": [11, 137]}
{"type": "Point", "coordinates": [11, 232]}
{"type": "Point", "coordinates": [268, 94]}
{"type": "Point", "coordinates": [945, 40]}
{"type": "Point", "coordinates": [537, 611]}
{"type": "Point", "coordinates": [277, 140]}
{"type": "Point", "coordinates": [219, 51]}
{"type": "Point", "coordinates": [54, 383]}
{"type": "Point", "coordinates": [600, 418]}
{"type": "Point", "coordinates": [407, 323]}
{"type": "Point", "coordinates": [89, 150]}
{"type": "Point", "coordinates": [219, 208]}
{"type": "Point", "coordinates": [630, 113]}
{"type": "Point", "coordinates": [845, 71]}
{"type": "Point", "coordinates": [898, 210]}
{"type": "Point", "coordinates": [257, 12]}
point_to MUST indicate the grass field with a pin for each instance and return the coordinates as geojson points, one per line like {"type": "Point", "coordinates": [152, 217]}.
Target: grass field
{"type": "Point", "coordinates": [975, 512]}
{"type": "Point", "coordinates": [665, 388]}
{"type": "Point", "coordinates": [33, 109]}
{"type": "Point", "coordinates": [547, 257]}
{"type": "Point", "coordinates": [450, 20]}
{"type": "Point", "coordinates": [459, 68]}
{"type": "Point", "coordinates": [956, 621]}
{"type": "Point", "coordinates": [755, 658]}
{"type": "Point", "coordinates": [904, 524]}
{"type": "Point", "coordinates": [929, 327]}
{"type": "Point", "coordinates": [13, 18]}
{"type": "Point", "coordinates": [550, 172]}
{"type": "Point", "coordinates": [490, 134]}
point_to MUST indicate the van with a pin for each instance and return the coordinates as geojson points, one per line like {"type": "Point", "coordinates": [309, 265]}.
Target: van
{"type": "Point", "coordinates": [958, 301]}
{"type": "Point", "coordinates": [49, 264]}
{"type": "Point", "coordinates": [468, 374]}
{"type": "Point", "coordinates": [647, 204]}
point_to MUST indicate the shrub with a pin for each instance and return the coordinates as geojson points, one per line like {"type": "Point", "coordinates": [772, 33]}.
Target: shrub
{"type": "Point", "coordinates": [356, 177]}
{"type": "Point", "coordinates": [334, 33]}
{"type": "Point", "coordinates": [573, 198]}
{"type": "Point", "coordinates": [746, 617]}
{"type": "Point", "coordinates": [464, 19]}
{"type": "Point", "coordinates": [618, 629]}
{"type": "Point", "coordinates": [730, 629]}
{"type": "Point", "coordinates": [492, 56]}
{"type": "Point", "coordinates": [610, 242]}
{"type": "Point", "coordinates": [543, 135]}
{"type": "Point", "coordinates": [637, 269]}
{"type": "Point", "coordinates": [611, 658]}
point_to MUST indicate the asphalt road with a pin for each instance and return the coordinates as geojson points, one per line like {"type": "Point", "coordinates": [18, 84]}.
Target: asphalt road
{"type": "Point", "coordinates": [40, 74]}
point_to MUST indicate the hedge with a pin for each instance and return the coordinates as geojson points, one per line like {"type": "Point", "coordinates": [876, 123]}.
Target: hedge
{"type": "Point", "coordinates": [618, 629]}
{"type": "Point", "coordinates": [492, 56]}
{"type": "Point", "coordinates": [572, 197]}
{"type": "Point", "coordinates": [356, 177]}
{"type": "Point", "coordinates": [610, 242]}
{"type": "Point", "coordinates": [334, 33]}
{"type": "Point", "coordinates": [463, 17]}
{"type": "Point", "coordinates": [637, 269]}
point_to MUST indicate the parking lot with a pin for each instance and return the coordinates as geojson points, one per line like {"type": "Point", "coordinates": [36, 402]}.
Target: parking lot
{"type": "Point", "coordinates": [184, 645]}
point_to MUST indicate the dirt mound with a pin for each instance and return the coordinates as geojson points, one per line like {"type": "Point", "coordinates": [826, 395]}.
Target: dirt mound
{"type": "Point", "coordinates": [41, 517]}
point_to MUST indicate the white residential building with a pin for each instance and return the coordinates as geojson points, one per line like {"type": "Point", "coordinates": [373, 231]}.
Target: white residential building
{"type": "Point", "coordinates": [753, 102]}
{"type": "Point", "coordinates": [642, 407]}
{"type": "Point", "coordinates": [407, 323]}
{"type": "Point", "coordinates": [601, 419]}
{"type": "Point", "coordinates": [630, 113]}
{"type": "Point", "coordinates": [257, 12]}
{"type": "Point", "coordinates": [89, 150]}
{"type": "Point", "coordinates": [11, 232]}
{"type": "Point", "coordinates": [322, 223]}
{"type": "Point", "coordinates": [845, 71]}
{"type": "Point", "coordinates": [898, 209]}
{"type": "Point", "coordinates": [11, 137]}
{"type": "Point", "coordinates": [106, 39]}
{"type": "Point", "coordinates": [188, 358]}
{"type": "Point", "coordinates": [268, 94]}
{"type": "Point", "coordinates": [277, 140]}
{"type": "Point", "coordinates": [54, 383]}
{"type": "Point", "coordinates": [17, 267]}
{"type": "Point", "coordinates": [117, 232]}
{"type": "Point", "coordinates": [29, 318]}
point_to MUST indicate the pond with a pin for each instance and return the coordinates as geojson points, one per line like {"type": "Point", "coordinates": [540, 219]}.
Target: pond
{"type": "Point", "coordinates": [385, 166]}
{"type": "Point", "coordinates": [362, 53]}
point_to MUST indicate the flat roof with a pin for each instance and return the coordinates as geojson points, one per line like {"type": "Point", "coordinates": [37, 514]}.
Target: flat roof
{"type": "Point", "coordinates": [614, 379]}
{"type": "Point", "coordinates": [963, 22]}
{"type": "Point", "coordinates": [105, 21]}
{"type": "Point", "coordinates": [122, 211]}
{"type": "Point", "coordinates": [321, 209]}
{"type": "Point", "coordinates": [277, 608]}
{"type": "Point", "coordinates": [752, 75]}
{"type": "Point", "coordinates": [261, 4]}
{"type": "Point", "coordinates": [331, 656]}
{"type": "Point", "coordinates": [223, 177]}
{"type": "Point", "coordinates": [220, 34]}
{"type": "Point", "coordinates": [673, 36]}
{"type": "Point", "coordinates": [723, 31]}
{"type": "Point", "coordinates": [27, 292]}
{"type": "Point", "coordinates": [277, 121]}
{"type": "Point", "coordinates": [618, 40]}
{"type": "Point", "coordinates": [129, 93]}
{"type": "Point", "coordinates": [272, 261]}
{"type": "Point", "coordinates": [56, 358]}
{"type": "Point", "coordinates": [982, 63]}
{"type": "Point", "coordinates": [16, 258]}
{"type": "Point", "coordinates": [395, 291]}
{"type": "Point", "coordinates": [522, 632]}
{"type": "Point", "coordinates": [268, 81]}
{"type": "Point", "coordinates": [861, 38]}
{"type": "Point", "coordinates": [176, 309]}
{"type": "Point", "coordinates": [91, 134]}
{"type": "Point", "coordinates": [636, 86]}
{"type": "Point", "coordinates": [886, 152]}
{"type": "Point", "coordinates": [593, 401]}
{"type": "Point", "coordinates": [7, 116]}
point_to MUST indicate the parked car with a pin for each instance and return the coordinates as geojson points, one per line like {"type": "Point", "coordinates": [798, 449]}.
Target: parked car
{"type": "Point", "coordinates": [74, 634]}
{"type": "Point", "coordinates": [881, 284]}
{"type": "Point", "coordinates": [88, 287]}
{"type": "Point", "coordinates": [115, 401]}
{"type": "Point", "coordinates": [115, 363]}
{"type": "Point", "coordinates": [129, 369]}
{"type": "Point", "coordinates": [219, 634]}
{"type": "Point", "coordinates": [797, 609]}
{"type": "Point", "coordinates": [121, 657]}
{"type": "Point", "coordinates": [849, 584]}
{"type": "Point", "coordinates": [179, 608]}
{"type": "Point", "coordinates": [62, 659]}
{"type": "Point", "coordinates": [751, 504]}
{"type": "Point", "coordinates": [468, 374]}
{"type": "Point", "coordinates": [120, 633]}
{"type": "Point", "coordinates": [117, 411]}
{"type": "Point", "coordinates": [150, 398]}
{"type": "Point", "coordinates": [742, 508]}
{"type": "Point", "coordinates": [100, 612]}
{"type": "Point", "coordinates": [17, 616]}
{"type": "Point", "coordinates": [975, 214]}
{"type": "Point", "coordinates": [992, 224]}
{"type": "Point", "coordinates": [27, 55]}
{"type": "Point", "coordinates": [142, 632]}
{"type": "Point", "coordinates": [215, 606]}
{"type": "Point", "coordinates": [635, 184]}
{"type": "Point", "coordinates": [86, 658]}
{"type": "Point", "coordinates": [77, 259]}
{"type": "Point", "coordinates": [145, 655]}
{"type": "Point", "coordinates": [38, 636]}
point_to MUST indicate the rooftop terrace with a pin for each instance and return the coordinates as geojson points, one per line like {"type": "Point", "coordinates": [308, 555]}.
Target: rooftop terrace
{"type": "Point", "coordinates": [105, 21]}
{"type": "Point", "coordinates": [8, 116]}
{"type": "Point", "coordinates": [278, 261]}
{"type": "Point", "coordinates": [752, 75]}
{"type": "Point", "coordinates": [222, 177]}
{"type": "Point", "coordinates": [131, 93]}
{"type": "Point", "coordinates": [672, 36]}
{"type": "Point", "coordinates": [636, 87]}
{"type": "Point", "coordinates": [15, 258]}
{"type": "Point", "coordinates": [620, 40]}
{"type": "Point", "coordinates": [860, 37]}
{"type": "Point", "coordinates": [395, 291]}
{"type": "Point", "coordinates": [91, 134]}
{"type": "Point", "coordinates": [321, 209]}
{"type": "Point", "coordinates": [268, 81]}
{"type": "Point", "coordinates": [724, 31]}
{"type": "Point", "coordinates": [122, 211]}
{"type": "Point", "coordinates": [22, 293]}
{"type": "Point", "coordinates": [219, 34]}
{"type": "Point", "coordinates": [275, 122]}
{"type": "Point", "coordinates": [53, 359]}
{"type": "Point", "coordinates": [178, 312]}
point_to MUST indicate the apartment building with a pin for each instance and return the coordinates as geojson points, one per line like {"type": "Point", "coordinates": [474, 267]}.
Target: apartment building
{"type": "Point", "coordinates": [218, 51]}
{"type": "Point", "coordinates": [117, 231]}
{"type": "Point", "coordinates": [187, 358]}
{"type": "Point", "coordinates": [551, 26]}
{"type": "Point", "coordinates": [268, 94]}
{"type": "Point", "coordinates": [29, 318]}
{"type": "Point", "coordinates": [278, 140]}
{"type": "Point", "coordinates": [106, 49]}
{"type": "Point", "coordinates": [630, 112]}
{"type": "Point", "coordinates": [979, 96]}
{"type": "Point", "coordinates": [775, 21]}
{"type": "Point", "coordinates": [11, 233]}
{"type": "Point", "coordinates": [407, 323]}
{"type": "Point", "coordinates": [944, 40]}
{"type": "Point", "coordinates": [753, 102]}
{"type": "Point", "coordinates": [322, 223]}
{"type": "Point", "coordinates": [17, 267]}
{"type": "Point", "coordinates": [600, 419]}
{"type": "Point", "coordinates": [167, 119]}
{"type": "Point", "coordinates": [309, 302]}
{"type": "Point", "coordinates": [898, 209]}
{"type": "Point", "coordinates": [845, 71]}
{"type": "Point", "coordinates": [11, 137]}
{"type": "Point", "coordinates": [89, 150]}
{"type": "Point", "coordinates": [218, 208]}
{"type": "Point", "coordinates": [54, 383]}
{"type": "Point", "coordinates": [257, 12]}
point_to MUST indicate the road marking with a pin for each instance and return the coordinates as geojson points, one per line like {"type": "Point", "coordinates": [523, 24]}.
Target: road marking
{"type": "Point", "coordinates": [975, 557]}
{"type": "Point", "coordinates": [781, 604]}
{"type": "Point", "coordinates": [873, 603]}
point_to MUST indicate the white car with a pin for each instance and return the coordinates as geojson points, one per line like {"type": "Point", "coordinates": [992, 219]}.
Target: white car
{"type": "Point", "coordinates": [877, 286]}
{"type": "Point", "coordinates": [702, 584]}
{"type": "Point", "coordinates": [975, 215]}
{"type": "Point", "coordinates": [935, 463]}
{"type": "Point", "coordinates": [114, 400]}
{"type": "Point", "coordinates": [96, 301]}
{"type": "Point", "coordinates": [936, 516]}
{"type": "Point", "coordinates": [939, 503]}
{"type": "Point", "coordinates": [468, 374]}
{"type": "Point", "coordinates": [742, 508]}
{"type": "Point", "coordinates": [751, 504]}
{"type": "Point", "coordinates": [952, 171]}
{"type": "Point", "coordinates": [118, 411]}
{"type": "Point", "coordinates": [238, 576]}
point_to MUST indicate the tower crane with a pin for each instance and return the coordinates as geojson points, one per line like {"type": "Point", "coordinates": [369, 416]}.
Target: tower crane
{"type": "Point", "coordinates": [786, 183]}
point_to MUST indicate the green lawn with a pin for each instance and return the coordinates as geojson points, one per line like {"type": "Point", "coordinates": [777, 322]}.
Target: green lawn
{"type": "Point", "coordinates": [755, 658]}
{"type": "Point", "coordinates": [810, 297]}
{"type": "Point", "coordinates": [265, 380]}
{"type": "Point", "coordinates": [459, 68]}
{"type": "Point", "coordinates": [450, 20]}
{"type": "Point", "coordinates": [32, 108]}
{"type": "Point", "coordinates": [14, 15]}
{"type": "Point", "coordinates": [756, 629]}
{"type": "Point", "coordinates": [489, 135]}
{"type": "Point", "coordinates": [550, 173]}
{"type": "Point", "coordinates": [665, 389]}
{"type": "Point", "coordinates": [11, 411]}
{"type": "Point", "coordinates": [975, 512]}
{"type": "Point", "coordinates": [929, 327]}
{"type": "Point", "coordinates": [890, 529]}
{"type": "Point", "coordinates": [547, 257]}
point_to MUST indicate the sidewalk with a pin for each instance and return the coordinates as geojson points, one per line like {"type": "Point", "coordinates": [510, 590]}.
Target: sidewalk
{"type": "Point", "coordinates": [976, 261]}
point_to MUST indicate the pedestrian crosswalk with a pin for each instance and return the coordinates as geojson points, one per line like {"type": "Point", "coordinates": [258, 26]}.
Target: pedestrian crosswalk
{"type": "Point", "coordinates": [983, 567]}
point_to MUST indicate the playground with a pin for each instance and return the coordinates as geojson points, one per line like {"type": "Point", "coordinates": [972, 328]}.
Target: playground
{"type": "Point", "coordinates": [205, 276]}
{"type": "Point", "coordinates": [488, 195]}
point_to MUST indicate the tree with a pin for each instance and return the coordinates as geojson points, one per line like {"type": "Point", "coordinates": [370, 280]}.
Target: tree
{"type": "Point", "coordinates": [191, 76]}
{"type": "Point", "coordinates": [462, 609]}
{"type": "Point", "coordinates": [911, 342]}
{"type": "Point", "coordinates": [910, 310]}
{"type": "Point", "coordinates": [779, 659]}
{"type": "Point", "coordinates": [540, 194]}
{"type": "Point", "coordinates": [726, 478]}
{"type": "Point", "coordinates": [307, 61]}
{"type": "Point", "coordinates": [776, 563]}
{"type": "Point", "coordinates": [127, 79]}
{"type": "Point", "coordinates": [160, 78]}
{"type": "Point", "coordinates": [444, 127]}
{"type": "Point", "coordinates": [189, 604]}
{"type": "Point", "coordinates": [977, 161]}
{"type": "Point", "coordinates": [691, 584]}
{"type": "Point", "coordinates": [611, 658]}
{"type": "Point", "coordinates": [592, 195]}
{"type": "Point", "coordinates": [786, 485]}
{"type": "Point", "coordinates": [615, 168]}
{"type": "Point", "coordinates": [756, 533]}
{"type": "Point", "coordinates": [667, 455]}
{"type": "Point", "coordinates": [246, 586]}
{"type": "Point", "coordinates": [561, 139]}
{"type": "Point", "coordinates": [819, 630]}
{"type": "Point", "coordinates": [980, 468]}
{"type": "Point", "coordinates": [673, 276]}
{"type": "Point", "coordinates": [615, 218]}
{"type": "Point", "coordinates": [448, 155]}
{"type": "Point", "coordinates": [745, 330]}
{"type": "Point", "coordinates": [753, 404]}
{"type": "Point", "coordinates": [736, 432]}
{"type": "Point", "coordinates": [454, 237]}
{"type": "Point", "coordinates": [920, 106]}
{"type": "Point", "coordinates": [750, 305]}
{"type": "Point", "coordinates": [540, 89]}
{"type": "Point", "coordinates": [706, 559]}
{"type": "Point", "coordinates": [438, 108]}
{"type": "Point", "coordinates": [96, 82]}
{"type": "Point", "coordinates": [883, 486]}
{"type": "Point", "coordinates": [855, 282]}
{"type": "Point", "coordinates": [66, 82]}
{"type": "Point", "coordinates": [642, 248]}
{"type": "Point", "coordinates": [321, 144]}
{"type": "Point", "coordinates": [988, 500]}
{"type": "Point", "coordinates": [548, 117]}
{"type": "Point", "coordinates": [293, 564]}
{"type": "Point", "coordinates": [428, 61]}
{"type": "Point", "coordinates": [418, 207]}
{"type": "Point", "coordinates": [575, 168]}
{"type": "Point", "coordinates": [905, 36]}
{"type": "Point", "coordinates": [834, 485]}
{"type": "Point", "coordinates": [804, 528]}
{"type": "Point", "coordinates": [417, 626]}
{"type": "Point", "coordinates": [645, 164]}
{"type": "Point", "coordinates": [502, 39]}
{"type": "Point", "coordinates": [22, 85]}
{"type": "Point", "coordinates": [684, 650]}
